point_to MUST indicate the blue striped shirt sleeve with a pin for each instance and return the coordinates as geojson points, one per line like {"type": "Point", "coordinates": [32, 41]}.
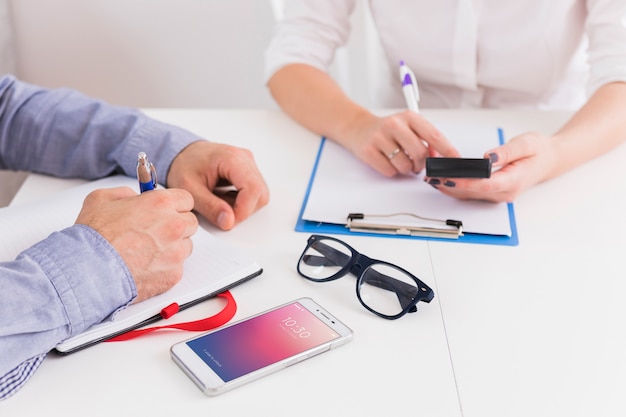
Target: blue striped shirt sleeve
{"type": "Point", "coordinates": [74, 278]}
{"type": "Point", "coordinates": [18, 376]}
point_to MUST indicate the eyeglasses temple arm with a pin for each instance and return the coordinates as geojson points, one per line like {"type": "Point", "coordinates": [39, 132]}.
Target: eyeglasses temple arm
{"type": "Point", "coordinates": [337, 257]}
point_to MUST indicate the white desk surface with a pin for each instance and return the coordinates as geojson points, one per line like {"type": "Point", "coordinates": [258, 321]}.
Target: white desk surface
{"type": "Point", "coordinates": [531, 330]}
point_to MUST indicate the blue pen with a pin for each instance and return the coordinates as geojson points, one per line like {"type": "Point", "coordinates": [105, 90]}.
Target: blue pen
{"type": "Point", "coordinates": [146, 174]}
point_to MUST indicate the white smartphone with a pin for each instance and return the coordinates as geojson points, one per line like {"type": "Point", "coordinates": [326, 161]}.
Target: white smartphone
{"type": "Point", "coordinates": [246, 350]}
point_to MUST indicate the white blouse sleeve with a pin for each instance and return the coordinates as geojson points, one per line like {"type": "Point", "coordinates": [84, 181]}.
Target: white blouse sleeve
{"type": "Point", "coordinates": [606, 29]}
{"type": "Point", "coordinates": [310, 33]}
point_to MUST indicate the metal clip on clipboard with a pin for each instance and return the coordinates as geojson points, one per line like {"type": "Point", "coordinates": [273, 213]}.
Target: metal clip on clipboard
{"type": "Point", "coordinates": [359, 222]}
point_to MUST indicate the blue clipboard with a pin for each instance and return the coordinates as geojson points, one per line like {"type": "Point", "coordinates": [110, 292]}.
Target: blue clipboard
{"type": "Point", "coordinates": [341, 229]}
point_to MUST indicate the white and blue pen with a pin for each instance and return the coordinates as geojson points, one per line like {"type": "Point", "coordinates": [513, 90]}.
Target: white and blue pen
{"type": "Point", "coordinates": [409, 87]}
{"type": "Point", "coordinates": [146, 173]}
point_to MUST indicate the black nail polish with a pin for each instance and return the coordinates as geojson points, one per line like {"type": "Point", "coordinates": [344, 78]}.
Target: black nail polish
{"type": "Point", "coordinates": [493, 157]}
{"type": "Point", "coordinates": [434, 181]}
{"type": "Point", "coordinates": [450, 183]}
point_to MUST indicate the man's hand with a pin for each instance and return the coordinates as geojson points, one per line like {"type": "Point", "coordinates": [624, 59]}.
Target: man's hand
{"type": "Point", "coordinates": [150, 231]}
{"type": "Point", "coordinates": [204, 167]}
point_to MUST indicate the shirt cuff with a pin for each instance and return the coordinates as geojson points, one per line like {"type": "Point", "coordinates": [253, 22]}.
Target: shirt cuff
{"type": "Point", "coordinates": [91, 279]}
{"type": "Point", "coordinates": [162, 141]}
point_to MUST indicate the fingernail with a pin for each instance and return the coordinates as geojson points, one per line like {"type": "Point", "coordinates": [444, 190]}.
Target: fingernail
{"type": "Point", "coordinates": [493, 157]}
{"type": "Point", "coordinates": [222, 220]}
{"type": "Point", "coordinates": [450, 183]}
{"type": "Point", "coordinates": [434, 181]}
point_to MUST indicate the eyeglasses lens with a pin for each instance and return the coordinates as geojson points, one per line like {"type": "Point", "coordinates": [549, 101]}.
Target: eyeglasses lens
{"type": "Point", "coordinates": [386, 289]}
{"type": "Point", "coordinates": [323, 259]}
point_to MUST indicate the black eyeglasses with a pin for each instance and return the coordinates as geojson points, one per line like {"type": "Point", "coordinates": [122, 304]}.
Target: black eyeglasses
{"type": "Point", "coordinates": [383, 288]}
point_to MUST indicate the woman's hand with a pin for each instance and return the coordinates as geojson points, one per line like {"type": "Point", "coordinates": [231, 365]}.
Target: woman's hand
{"type": "Point", "coordinates": [524, 161]}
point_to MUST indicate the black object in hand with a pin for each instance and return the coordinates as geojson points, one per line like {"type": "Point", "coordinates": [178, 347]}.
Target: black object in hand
{"type": "Point", "coordinates": [458, 167]}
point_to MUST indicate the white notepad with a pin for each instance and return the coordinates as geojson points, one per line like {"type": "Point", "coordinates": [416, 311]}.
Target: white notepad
{"type": "Point", "coordinates": [212, 268]}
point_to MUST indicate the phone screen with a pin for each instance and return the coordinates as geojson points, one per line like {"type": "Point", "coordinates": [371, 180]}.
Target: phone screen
{"type": "Point", "coordinates": [262, 340]}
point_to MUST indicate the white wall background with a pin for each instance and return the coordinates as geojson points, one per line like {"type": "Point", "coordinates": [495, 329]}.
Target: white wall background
{"type": "Point", "coordinates": [7, 51]}
{"type": "Point", "coordinates": [165, 53]}
{"type": "Point", "coordinates": [147, 53]}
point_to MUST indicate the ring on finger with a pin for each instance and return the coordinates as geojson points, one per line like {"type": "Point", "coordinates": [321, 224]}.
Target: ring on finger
{"type": "Point", "coordinates": [392, 154]}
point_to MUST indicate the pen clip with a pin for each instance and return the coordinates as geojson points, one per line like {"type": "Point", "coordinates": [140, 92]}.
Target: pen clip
{"type": "Point", "coordinates": [146, 173]}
